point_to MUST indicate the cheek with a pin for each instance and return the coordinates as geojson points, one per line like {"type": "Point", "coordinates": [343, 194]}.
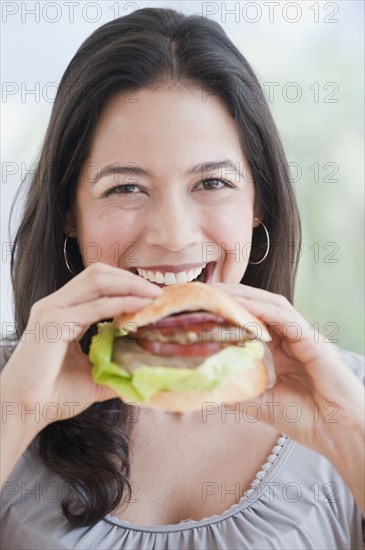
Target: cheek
{"type": "Point", "coordinates": [234, 227]}
{"type": "Point", "coordinates": [233, 235]}
{"type": "Point", "coordinates": [107, 236]}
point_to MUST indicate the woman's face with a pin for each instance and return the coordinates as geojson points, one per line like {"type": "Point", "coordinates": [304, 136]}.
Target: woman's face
{"type": "Point", "coordinates": [159, 212]}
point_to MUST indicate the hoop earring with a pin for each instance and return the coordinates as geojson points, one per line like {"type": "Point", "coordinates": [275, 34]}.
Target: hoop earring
{"type": "Point", "coordinates": [65, 256]}
{"type": "Point", "coordinates": [267, 246]}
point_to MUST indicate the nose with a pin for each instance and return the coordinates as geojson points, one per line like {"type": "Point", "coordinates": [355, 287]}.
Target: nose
{"type": "Point", "coordinates": [173, 225]}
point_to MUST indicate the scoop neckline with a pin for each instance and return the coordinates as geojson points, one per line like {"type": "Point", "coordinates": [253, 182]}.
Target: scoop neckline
{"type": "Point", "coordinates": [245, 502]}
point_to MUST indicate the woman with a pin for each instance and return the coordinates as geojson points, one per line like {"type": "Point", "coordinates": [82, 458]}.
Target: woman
{"type": "Point", "coordinates": [160, 147]}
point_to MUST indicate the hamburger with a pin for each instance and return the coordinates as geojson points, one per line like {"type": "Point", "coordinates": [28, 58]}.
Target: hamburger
{"type": "Point", "coordinates": [192, 344]}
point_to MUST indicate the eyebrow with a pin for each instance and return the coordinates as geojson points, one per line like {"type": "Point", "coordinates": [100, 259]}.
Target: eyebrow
{"type": "Point", "coordinates": [134, 169]}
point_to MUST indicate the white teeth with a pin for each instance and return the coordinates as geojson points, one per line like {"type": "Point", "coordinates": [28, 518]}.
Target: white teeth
{"type": "Point", "coordinates": [181, 277]}
{"type": "Point", "coordinates": [160, 278]}
{"type": "Point", "coordinates": [170, 278]}
{"type": "Point", "coordinates": [152, 276]}
{"type": "Point", "coordinates": [195, 273]}
{"type": "Point", "coordinates": [198, 270]}
{"type": "Point", "coordinates": [190, 275]}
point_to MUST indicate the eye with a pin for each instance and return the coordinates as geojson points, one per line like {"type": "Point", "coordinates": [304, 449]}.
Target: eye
{"type": "Point", "coordinates": [130, 189]}
{"type": "Point", "coordinates": [211, 181]}
{"type": "Point", "coordinates": [121, 189]}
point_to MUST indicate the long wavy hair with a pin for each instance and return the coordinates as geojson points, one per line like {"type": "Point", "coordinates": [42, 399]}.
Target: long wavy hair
{"type": "Point", "coordinates": [144, 48]}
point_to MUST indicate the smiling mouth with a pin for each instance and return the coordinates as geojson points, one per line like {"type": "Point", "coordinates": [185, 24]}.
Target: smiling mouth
{"type": "Point", "coordinates": [169, 278]}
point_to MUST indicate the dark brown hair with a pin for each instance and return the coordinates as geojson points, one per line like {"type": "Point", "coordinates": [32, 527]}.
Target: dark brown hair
{"type": "Point", "coordinates": [147, 47]}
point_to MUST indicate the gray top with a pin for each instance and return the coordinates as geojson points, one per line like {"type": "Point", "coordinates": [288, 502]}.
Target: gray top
{"type": "Point", "coordinates": [302, 503]}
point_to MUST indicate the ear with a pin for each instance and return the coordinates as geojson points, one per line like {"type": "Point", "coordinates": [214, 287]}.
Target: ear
{"type": "Point", "coordinates": [258, 213]}
{"type": "Point", "coordinates": [69, 226]}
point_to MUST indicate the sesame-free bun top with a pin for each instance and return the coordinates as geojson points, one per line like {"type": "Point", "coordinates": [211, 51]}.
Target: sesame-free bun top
{"type": "Point", "coordinates": [194, 296]}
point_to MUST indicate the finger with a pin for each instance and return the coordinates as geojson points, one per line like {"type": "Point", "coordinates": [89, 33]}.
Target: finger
{"type": "Point", "coordinates": [271, 308]}
{"type": "Point", "coordinates": [273, 314]}
{"type": "Point", "coordinates": [101, 283]}
{"type": "Point", "coordinates": [253, 293]}
{"type": "Point", "coordinates": [82, 316]}
{"type": "Point", "coordinates": [291, 327]}
{"type": "Point", "coordinates": [286, 322]}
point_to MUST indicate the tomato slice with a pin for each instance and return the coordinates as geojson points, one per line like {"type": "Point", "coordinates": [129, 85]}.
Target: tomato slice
{"type": "Point", "coordinates": [181, 350]}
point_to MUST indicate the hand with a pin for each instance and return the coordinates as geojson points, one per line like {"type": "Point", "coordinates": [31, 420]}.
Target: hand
{"type": "Point", "coordinates": [48, 365]}
{"type": "Point", "coordinates": [328, 398]}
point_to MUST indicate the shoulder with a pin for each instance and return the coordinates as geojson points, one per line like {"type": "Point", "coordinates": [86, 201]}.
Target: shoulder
{"type": "Point", "coordinates": [354, 361]}
{"type": "Point", "coordinates": [31, 513]}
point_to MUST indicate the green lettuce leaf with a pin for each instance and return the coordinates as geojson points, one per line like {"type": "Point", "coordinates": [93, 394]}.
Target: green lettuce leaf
{"type": "Point", "coordinates": [212, 373]}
